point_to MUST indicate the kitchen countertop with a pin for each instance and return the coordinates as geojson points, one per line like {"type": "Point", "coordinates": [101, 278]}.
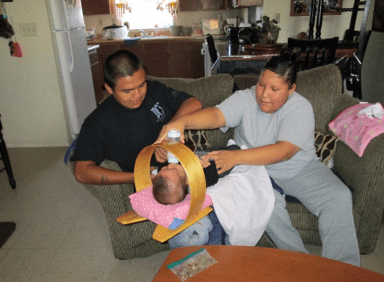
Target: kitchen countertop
{"type": "Point", "coordinates": [92, 47]}
{"type": "Point", "coordinates": [236, 52]}
{"type": "Point", "coordinates": [149, 39]}
{"type": "Point", "coordinates": [228, 52]}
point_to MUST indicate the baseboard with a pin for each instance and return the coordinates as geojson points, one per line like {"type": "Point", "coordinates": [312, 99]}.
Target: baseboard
{"type": "Point", "coordinates": [36, 145]}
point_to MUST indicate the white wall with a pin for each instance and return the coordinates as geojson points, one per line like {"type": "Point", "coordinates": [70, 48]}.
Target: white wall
{"type": "Point", "coordinates": [333, 25]}
{"type": "Point", "coordinates": [30, 100]}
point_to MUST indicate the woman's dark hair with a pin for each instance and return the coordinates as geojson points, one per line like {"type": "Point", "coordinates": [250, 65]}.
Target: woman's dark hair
{"type": "Point", "coordinates": [120, 64]}
{"type": "Point", "coordinates": [285, 65]}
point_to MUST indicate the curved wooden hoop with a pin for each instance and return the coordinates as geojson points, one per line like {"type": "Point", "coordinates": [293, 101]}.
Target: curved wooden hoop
{"type": "Point", "coordinates": [190, 163]}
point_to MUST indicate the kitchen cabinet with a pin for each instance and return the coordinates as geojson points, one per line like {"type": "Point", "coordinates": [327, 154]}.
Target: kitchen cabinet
{"type": "Point", "coordinates": [161, 58]}
{"type": "Point", "coordinates": [154, 55]}
{"type": "Point", "coordinates": [98, 7]}
{"type": "Point", "coordinates": [198, 5]}
{"type": "Point", "coordinates": [186, 60]}
{"type": "Point", "coordinates": [246, 3]}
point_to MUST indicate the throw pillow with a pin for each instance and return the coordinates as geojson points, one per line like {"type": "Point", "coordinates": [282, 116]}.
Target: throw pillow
{"type": "Point", "coordinates": [196, 140]}
{"type": "Point", "coordinates": [325, 145]}
{"type": "Point", "coordinates": [356, 129]}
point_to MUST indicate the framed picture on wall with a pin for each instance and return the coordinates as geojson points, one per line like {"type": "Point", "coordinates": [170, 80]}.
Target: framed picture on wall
{"type": "Point", "coordinates": [302, 7]}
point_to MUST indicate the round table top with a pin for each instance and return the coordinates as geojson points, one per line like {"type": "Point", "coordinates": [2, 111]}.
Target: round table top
{"type": "Point", "coordinates": [241, 263]}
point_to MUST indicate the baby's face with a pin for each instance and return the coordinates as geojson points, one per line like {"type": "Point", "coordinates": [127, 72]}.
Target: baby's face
{"type": "Point", "coordinates": [175, 172]}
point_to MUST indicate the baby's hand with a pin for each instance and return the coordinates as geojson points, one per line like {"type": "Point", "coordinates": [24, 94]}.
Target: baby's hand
{"type": "Point", "coordinates": [204, 160]}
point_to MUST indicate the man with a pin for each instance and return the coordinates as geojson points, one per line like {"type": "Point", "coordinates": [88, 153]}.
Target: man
{"type": "Point", "coordinates": [127, 121]}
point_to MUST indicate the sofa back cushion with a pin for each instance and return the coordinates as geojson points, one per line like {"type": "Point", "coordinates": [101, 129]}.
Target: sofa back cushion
{"type": "Point", "coordinates": [210, 91]}
{"type": "Point", "coordinates": [322, 86]}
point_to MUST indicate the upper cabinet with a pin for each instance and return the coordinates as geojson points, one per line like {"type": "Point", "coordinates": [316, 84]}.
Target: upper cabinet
{"type": "Point", "coordinates": [198, 5]}
{"type": "Point", "coordinates": [246, 3]}
{"type": "Point", "coordinates": [98, 7]}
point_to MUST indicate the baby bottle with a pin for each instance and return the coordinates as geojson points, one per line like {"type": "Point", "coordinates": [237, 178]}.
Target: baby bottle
{"type": "Point", "coordinates": [173, 136]}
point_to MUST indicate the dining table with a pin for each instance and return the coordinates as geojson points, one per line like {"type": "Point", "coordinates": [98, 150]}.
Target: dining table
{"type": "Point", "coordinates": [240, 58]}
{"type": "Point", "coordinates": [244, 263]}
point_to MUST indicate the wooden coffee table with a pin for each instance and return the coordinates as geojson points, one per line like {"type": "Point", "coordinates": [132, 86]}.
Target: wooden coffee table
{"type": "Point", "coordinates": [239, 263]}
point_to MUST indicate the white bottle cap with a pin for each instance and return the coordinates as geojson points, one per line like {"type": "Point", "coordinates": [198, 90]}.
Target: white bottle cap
{"type": "Point", "coordinates": [173, 134]}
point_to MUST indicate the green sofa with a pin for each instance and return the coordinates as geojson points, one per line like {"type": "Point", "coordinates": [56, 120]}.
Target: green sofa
{"type": "Point", "coordinates": [322, 87]}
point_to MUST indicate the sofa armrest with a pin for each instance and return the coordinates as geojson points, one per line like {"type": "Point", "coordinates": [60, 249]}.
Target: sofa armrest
{"type": "Point", "coordinates": [128, 241]}
{"type": "Point", "coordinates": [366, 176]}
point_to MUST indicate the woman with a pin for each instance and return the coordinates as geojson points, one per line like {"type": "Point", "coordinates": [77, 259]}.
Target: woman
{"type": "Point", "coordinates": [277, 125]}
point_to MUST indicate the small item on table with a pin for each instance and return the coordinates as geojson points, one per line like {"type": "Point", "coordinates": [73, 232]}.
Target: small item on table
{"type": "Point", "coordinates": [192, 264]}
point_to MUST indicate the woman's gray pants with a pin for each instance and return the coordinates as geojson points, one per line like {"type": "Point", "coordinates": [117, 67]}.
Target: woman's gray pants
{"type": "Point", "coordinates": [326, 196]}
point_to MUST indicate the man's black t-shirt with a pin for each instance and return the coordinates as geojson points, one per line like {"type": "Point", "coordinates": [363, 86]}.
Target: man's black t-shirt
{"type": "Point", "coordinates": [117, 133]}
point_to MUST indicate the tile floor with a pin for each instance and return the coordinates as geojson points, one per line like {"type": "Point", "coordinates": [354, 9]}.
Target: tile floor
{"type": "Point", "coordinates": [61, 232]}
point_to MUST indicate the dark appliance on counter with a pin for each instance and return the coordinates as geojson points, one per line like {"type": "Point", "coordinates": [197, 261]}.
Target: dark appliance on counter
{"type": "Point", "coordinates": [243, 35]}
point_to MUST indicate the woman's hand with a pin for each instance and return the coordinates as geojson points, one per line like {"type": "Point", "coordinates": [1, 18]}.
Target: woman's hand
{"type": "Point", "coordinates": [224, 160]}
{"type": "Point", "coordinates": [204, 160]}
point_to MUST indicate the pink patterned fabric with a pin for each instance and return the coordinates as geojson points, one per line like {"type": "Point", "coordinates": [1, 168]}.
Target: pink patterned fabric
{"type": "Point", "coordinates": [356, 130]}
{"type": "Point", "coordinates": [146, 206]}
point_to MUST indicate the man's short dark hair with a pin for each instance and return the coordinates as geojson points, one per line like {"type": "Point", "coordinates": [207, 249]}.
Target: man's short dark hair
{"type": "Point", "coordinates": [121, 64]}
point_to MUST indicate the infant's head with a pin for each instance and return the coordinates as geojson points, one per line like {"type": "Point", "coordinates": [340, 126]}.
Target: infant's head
{"type": "Point", "coordinates": [170, 185]}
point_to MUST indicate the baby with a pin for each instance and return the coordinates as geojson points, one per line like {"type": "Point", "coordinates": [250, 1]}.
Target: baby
{"type": "Point", "coordinates": [170, 185]}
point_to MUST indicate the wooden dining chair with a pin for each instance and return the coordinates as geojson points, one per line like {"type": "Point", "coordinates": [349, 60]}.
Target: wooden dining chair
{"type": "Point", "coordinates": [315, 52]}
{"type": "Point", "coordinates": [4, 156]}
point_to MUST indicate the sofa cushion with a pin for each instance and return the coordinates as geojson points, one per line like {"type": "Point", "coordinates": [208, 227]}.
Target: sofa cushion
{"type": "Point", "coordinates": [325, 145]}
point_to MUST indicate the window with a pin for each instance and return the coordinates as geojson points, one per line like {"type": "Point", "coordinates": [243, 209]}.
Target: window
{"type": "Point", "coordinates": [144, 14]}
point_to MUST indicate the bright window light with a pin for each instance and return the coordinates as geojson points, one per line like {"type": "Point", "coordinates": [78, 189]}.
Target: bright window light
{"type": "Point", "coordinates": [145, 14]}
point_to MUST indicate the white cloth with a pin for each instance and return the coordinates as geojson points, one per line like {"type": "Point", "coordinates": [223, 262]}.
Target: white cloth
{"type": "Point", "coordinates": [243, 202]}
{"type": "Point", "coordinates": [376, 110]}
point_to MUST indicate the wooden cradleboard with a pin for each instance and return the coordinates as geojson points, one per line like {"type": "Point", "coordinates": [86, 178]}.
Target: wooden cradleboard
{"type": "Point", "coordinates": [196, 178]}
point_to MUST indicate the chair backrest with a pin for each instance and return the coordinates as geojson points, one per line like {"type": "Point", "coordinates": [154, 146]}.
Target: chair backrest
{"type": "Point", "coordinates": [211, 48]}
{"type": "Point", "coordinates": [314, 52]}
{"type": "Point", "coordinates": [351, 36]}
{"type": "Point", "coordinates": [212, 57]}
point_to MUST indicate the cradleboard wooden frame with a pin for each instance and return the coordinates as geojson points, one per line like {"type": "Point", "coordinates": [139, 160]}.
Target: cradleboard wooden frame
{"type": "Point", "coordinates": [196, 178]}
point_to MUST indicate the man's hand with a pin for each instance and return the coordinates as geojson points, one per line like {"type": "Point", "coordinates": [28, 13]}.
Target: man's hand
{"type": "Point", "coordinates": [160, 155]}
{"type": "Point", "coordinates": [224, 160]}
{"type": "Point", "coordinates": [151, 169]}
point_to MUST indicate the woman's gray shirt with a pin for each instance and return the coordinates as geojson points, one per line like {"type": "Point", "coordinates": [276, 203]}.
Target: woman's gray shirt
{"type": "Point", "coordinates": [293, 122]}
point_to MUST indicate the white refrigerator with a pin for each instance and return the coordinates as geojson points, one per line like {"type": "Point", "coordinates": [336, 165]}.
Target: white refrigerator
{"type": "Point", "coordinates": [68, 33]}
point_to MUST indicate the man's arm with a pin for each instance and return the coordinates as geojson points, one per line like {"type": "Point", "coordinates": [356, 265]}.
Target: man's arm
{"type": "Point", "coordinates": [187, 107]}
{"type": "Point", "coordinates": [87, 172]}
